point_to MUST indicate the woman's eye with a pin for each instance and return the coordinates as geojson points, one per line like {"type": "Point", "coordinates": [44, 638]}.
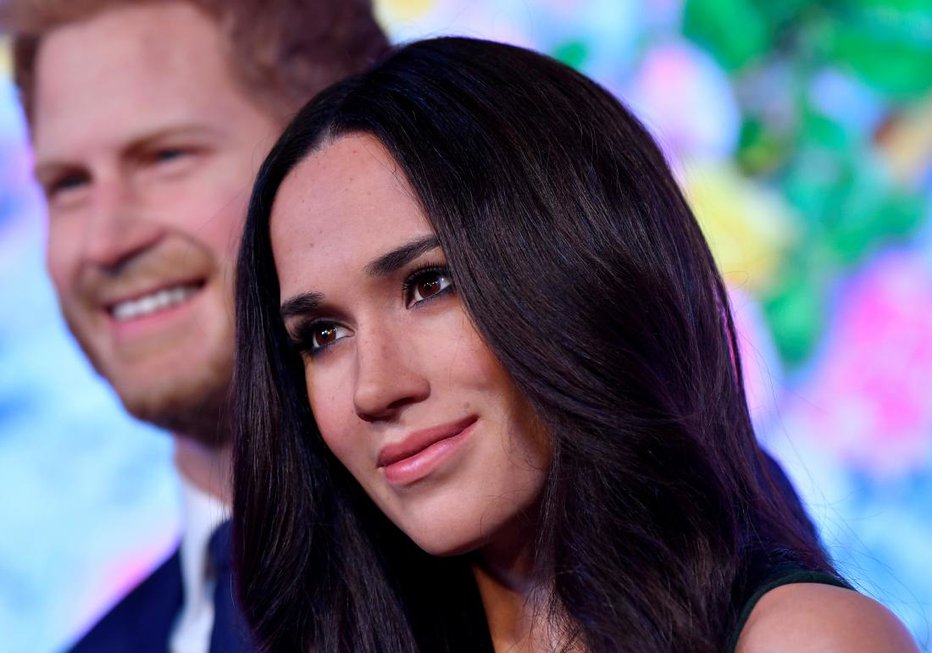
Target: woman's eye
{"type": "Point", "coordinates": [324, 335]}
{"type": "Point", "coordinates": [425, 285]}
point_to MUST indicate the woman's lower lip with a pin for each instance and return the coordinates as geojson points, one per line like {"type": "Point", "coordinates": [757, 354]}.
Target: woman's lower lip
{"type": "Point", "coordinates": [420, 465]}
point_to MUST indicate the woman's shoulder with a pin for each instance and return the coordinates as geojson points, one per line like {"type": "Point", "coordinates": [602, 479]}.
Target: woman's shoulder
{"type": "Point", "coordinates": [803, 617]}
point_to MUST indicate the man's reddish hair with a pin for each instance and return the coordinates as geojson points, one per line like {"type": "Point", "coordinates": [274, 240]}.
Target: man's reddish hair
{"type": "Point", "coordinates": [282, 51]}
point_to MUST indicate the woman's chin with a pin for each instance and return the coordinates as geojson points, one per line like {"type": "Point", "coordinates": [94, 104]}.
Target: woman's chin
{"type": "Point", "coordinates": [443, 545]}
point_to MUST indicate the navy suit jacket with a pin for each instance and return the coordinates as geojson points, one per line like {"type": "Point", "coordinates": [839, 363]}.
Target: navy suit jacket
{"type": "Point", "coordinates": [142, 622]}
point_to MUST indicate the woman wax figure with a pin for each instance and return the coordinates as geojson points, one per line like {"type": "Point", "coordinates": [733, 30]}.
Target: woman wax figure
{"type": "Point", "coordinates": [488, 396]}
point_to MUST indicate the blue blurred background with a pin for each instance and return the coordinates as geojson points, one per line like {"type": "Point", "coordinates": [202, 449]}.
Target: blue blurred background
{"type": "Point", "coordinates": [802, 133]}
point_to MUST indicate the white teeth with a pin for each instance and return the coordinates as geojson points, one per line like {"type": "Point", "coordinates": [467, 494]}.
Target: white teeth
{"type": "Point", "coordinates": [151, 303]}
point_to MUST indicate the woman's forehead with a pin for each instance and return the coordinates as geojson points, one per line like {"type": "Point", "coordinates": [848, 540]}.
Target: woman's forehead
{"type": "Point", "coordinates": [342, 206]}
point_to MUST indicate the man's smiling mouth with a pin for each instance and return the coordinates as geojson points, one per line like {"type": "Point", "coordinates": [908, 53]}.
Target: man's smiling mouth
{"type": "Point", "coordinates": [153, 302]}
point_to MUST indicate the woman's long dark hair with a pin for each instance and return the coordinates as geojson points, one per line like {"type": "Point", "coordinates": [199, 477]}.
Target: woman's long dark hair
{"type": "Point", "coordinates": [579, 262]}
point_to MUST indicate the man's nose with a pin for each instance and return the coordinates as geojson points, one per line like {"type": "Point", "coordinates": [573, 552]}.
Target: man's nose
{"type": "Point", "coordinates": [116, 229]}
{"type": "Point", "coordinates": [388, 375]}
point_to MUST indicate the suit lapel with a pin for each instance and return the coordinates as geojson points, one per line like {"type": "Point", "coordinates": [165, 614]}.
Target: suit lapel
{"type": "Point", "coordinates": [142, 621]}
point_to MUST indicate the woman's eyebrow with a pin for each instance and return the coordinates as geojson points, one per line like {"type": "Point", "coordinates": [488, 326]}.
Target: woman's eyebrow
{"type": "Point", "coordinates": [304, 303]}
{"type": "Point", "coordinates": [301, 304]}
{"type": "Point", "coordinates": [398, 258]}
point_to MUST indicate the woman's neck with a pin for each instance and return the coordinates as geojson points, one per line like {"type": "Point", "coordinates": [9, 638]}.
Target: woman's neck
{"type": "Point", "coordinates": [509, 607]}
{"type": "Point", "coordinates": [516, 606]}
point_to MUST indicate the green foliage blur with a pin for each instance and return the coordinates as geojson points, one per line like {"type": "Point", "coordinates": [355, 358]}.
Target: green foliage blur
{"type": "Point", "coordinates": [831, 163]}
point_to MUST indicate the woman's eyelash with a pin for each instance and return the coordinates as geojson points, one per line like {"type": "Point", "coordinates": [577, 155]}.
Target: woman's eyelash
{"type": "Point", "coordinates": [426, 283]}
{"type": "Point", "coordinates": [298, 337]}
{"type": "Point", "coordinates": [305, 340]}
{"type": "Point", "coordinates": [312, 337]}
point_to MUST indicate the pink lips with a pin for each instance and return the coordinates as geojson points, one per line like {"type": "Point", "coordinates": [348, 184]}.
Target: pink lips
{"type": "Point", "coordinates": [422, 452]}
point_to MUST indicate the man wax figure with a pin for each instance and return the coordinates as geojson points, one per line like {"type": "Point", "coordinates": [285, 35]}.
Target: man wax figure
{"type": "Point", "coordinates": [149, 120]}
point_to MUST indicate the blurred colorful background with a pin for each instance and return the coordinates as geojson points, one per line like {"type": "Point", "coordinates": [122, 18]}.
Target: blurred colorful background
{"type": "Point", "coordinates": [802, 133]}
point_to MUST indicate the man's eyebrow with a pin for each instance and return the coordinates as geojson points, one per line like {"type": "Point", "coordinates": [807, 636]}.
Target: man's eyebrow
{"type": "Point", "coordinates": [45, 168]}
{"type": "Point", "coordinates": [157, 137]}
{"type": "Point", "coordinates": [398, 258]}
{"type": "Point", "coordinates": [301, 304]}
{"type": "Point", "coordinates": [47, 171]}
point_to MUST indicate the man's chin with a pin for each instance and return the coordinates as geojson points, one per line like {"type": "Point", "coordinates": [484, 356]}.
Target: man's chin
{"type": "Point", "coordinates": [197, 414]}
{"type": "Point", "coordinates": [184, 396]}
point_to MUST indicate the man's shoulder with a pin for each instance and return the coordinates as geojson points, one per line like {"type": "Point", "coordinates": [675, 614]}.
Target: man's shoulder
{"type": "Point", "coordinates": [142, 620]}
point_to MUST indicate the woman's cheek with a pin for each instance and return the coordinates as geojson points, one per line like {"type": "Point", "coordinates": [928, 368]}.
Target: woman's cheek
{"type": "Point", "coordinates": [324, 401]}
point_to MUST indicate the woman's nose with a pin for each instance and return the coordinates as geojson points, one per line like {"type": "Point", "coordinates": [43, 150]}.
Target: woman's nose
{"type": "Point", "coordinates": [389, 376]}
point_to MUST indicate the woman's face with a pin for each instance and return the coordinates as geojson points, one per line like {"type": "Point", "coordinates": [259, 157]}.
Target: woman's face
{"type": "Point", "coordinates": [404, 391]}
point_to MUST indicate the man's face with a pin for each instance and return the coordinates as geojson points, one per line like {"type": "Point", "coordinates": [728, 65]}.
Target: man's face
{"type": "Point", "coordinates": [147, 147]}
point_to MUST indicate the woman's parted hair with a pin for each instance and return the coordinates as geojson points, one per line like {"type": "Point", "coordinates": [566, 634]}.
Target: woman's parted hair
{"type": "Point", "coordinates": [581, 265]}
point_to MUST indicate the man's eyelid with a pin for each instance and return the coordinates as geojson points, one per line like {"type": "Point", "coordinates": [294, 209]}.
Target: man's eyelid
{"type": "Point", "coordinates": [176, 152]}
{"type": "Point", "coordinates": [157, 154]}
{"type": "Point", "coordinates": [152, 151]}
{"type": "Point", "coordinates": [51, 181]}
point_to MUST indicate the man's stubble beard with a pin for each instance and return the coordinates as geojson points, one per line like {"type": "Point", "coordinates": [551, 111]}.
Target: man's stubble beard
{"type": "Point", "coordinates": [190, 404]}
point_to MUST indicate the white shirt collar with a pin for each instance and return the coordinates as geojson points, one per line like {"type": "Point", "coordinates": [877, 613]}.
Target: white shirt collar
{"type": "Point", "coordinates": [202, 514]}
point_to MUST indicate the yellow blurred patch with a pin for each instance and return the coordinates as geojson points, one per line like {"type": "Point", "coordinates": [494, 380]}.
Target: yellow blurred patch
{"type": "Point", "coordinates": [6, 60]}
{"type": "Point", "coordinates": [749, 227]}
{"type": "Point", "coordinates": [906, 142]}
{"type": "Point", "coordinates": [391, 12]}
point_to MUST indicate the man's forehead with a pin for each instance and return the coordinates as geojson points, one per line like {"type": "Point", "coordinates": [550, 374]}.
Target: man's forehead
{"type": "Point", "coordinates": [132, 70]}
{"type": "Point", "coordinates": [166, 34]}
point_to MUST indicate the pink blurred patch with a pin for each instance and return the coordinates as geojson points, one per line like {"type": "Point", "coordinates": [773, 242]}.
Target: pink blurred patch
{"type": "Point", "coordinates": [561, 7]}
{"type": "Point", "coordinates": [869, 398]}
{"type": "Point", "coordinates": [763, 374]}
{"type": "Point", "coordinates": [686, 99]}
{"type": "Point", "coordinates": [117, 578]}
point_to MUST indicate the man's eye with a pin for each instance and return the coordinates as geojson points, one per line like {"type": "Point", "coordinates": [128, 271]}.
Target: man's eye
{"type": "Point", "coordinates": [65, 184]}
{"type": "Point", "coordinates": [168, 154]}
{"type": "Point", "coordinates": [426, 284]}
